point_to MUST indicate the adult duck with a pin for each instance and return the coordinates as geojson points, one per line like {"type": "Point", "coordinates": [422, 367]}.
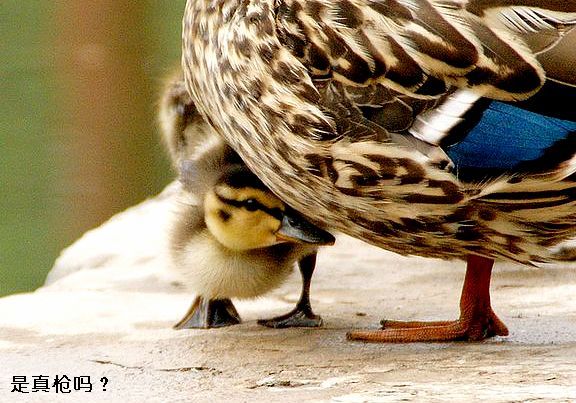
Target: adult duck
{"type": "Point", "coordinates": [375, 118]}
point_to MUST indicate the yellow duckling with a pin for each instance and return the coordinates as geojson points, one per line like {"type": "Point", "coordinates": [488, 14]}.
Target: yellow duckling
{"type": "Point", "coordinates": [231, 237]}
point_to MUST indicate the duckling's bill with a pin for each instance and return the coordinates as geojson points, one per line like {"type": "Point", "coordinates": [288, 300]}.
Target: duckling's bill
{"type": "Point", "coordinates": [295, 228]}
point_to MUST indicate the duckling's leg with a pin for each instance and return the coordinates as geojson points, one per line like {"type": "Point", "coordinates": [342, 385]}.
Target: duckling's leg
{"type": "Point", "coordinates": [301, 315]}
{"type": "Point", "coordinates": [477, 319]}
{"type": "Point", "coordinates": [209, 313]}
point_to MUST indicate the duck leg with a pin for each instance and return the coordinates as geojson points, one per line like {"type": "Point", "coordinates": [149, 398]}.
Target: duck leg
{"type": "Point", "coordinates": [209, 313]}
{"type": "Point", "coordinates": [301, 315]}
{"type": "Point", "coordinates": [477, 319]}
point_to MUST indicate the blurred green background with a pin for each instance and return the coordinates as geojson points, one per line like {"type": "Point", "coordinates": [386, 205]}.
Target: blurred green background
{"type": "Point", "coordinates": [79, 82]}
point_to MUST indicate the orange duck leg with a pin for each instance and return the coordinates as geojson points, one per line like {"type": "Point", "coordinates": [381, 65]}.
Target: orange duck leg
{"type": "Point", "coordinates": [477, 319]}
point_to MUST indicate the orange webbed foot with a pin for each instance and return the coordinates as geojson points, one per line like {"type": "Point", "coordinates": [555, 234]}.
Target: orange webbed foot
{"type": "Point", "coordinates": [477, 319]}
{"type": "Point", "coordinates": [466, 329]}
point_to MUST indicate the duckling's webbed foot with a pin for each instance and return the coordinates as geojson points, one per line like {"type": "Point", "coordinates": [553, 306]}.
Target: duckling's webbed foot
{"type": "Point", "coordinates": [295, 318]}
{"type": "Point", "coordinates": [302, 315]}
{"type": "Point", "coordinates": [209, 313]}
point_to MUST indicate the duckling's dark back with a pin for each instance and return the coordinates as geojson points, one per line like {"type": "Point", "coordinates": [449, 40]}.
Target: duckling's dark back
{"type": "Point", "coordinates": [198, 154]}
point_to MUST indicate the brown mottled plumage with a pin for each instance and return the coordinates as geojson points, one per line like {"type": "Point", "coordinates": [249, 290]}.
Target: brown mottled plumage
{"type": "Point", "coordinates": [328, 103]}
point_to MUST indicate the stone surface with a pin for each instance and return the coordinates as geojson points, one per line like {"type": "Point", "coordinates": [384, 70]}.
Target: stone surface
{"type": "Point", "coordinates": [109, 304]}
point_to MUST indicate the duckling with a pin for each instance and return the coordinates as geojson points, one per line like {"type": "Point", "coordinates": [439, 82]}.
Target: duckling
{"type": "Point", "coordinates": [231, 236]}
{"type": "Point", "coordinates": [183, 130]}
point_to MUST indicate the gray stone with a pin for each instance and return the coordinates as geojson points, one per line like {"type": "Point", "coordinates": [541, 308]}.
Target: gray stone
{"type": "Point", "coordinates": [109, 303]}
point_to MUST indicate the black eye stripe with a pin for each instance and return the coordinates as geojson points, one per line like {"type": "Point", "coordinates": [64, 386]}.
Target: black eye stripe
{"type": "Point", "coordinates": [275, 212]}
{"type": "Point", "coordinates": [254, 205]}
{"type": "Point", "coordinates": [231, 202]}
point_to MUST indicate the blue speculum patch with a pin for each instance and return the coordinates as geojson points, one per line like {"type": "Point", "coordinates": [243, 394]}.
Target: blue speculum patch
{"type": "Point", "coordinates": [507, 136]}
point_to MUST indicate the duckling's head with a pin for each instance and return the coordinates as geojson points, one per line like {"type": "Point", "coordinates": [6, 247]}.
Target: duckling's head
{"type": "Point", "coordinates": [239, 210]}
{"type": "Point", "coordinates": [242, 214]}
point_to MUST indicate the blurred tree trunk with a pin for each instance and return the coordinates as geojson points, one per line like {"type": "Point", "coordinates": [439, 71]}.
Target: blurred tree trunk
{"type": "Point", "coordinates": [107, 98]}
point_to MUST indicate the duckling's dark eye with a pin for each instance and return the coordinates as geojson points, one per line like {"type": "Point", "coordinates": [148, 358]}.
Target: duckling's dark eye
{"type": "Point", "coordinates": [251, 205]}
